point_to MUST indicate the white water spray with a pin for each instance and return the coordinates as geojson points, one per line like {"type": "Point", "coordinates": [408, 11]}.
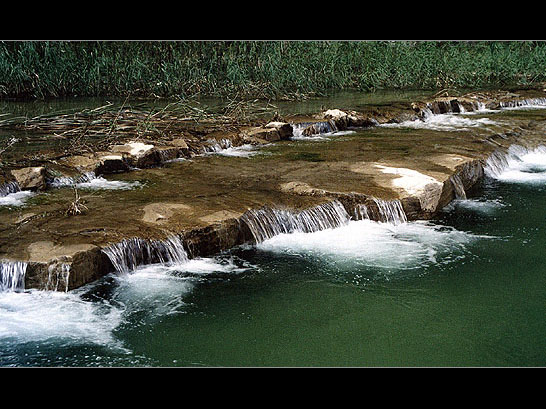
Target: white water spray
{"type": "Point", "coordinates": [91, 181]}
{"type": "Point", "coordinates": [518, 165]}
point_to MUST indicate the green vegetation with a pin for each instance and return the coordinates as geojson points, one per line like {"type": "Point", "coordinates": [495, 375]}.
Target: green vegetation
{"type": "Point", "coordinates": [267, 69]}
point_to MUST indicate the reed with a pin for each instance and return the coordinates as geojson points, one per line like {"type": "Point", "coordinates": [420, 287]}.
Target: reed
{"type": "Point", "coordinates": [260, 69]}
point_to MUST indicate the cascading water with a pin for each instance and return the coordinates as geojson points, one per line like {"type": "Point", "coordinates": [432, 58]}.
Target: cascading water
{"type": "Point", "coordinates": [458, 187]}
{"type": "Point", "coordinates": [8, 188]}
{"type": "Point", "coordinates": [61, 181]}
{"type": "Point", "coordinates": [215, 146]}
{"type": "Point", "coordinates": [12, 275]}
{"type": "Point", "coordinates": [131, 253]}
{"type": "Point", "coordinates": [312, 129]}
{"type": "Point", "coordinates": [361, 212]}
{"type": "Point", "coordinates": [12, 195]}
{"type": "Point", "coordinates": [58, 275]}
{"type": "Point", "coordinates": [266, 223]}
{"type": "Point", "coordinates": [391, 211]}
{"type": "Point", "coordinates": [442, 107]}
{"type": "Point", "coordinates": [496, 164]}
{"type": "Point", "coordinates": [524, 103]}
{"type": "Point", "coordinates": [444, 116]}
{"type": "Point", "coordinates": [518, 164]}
{"type": "Point", "coordinates": [90, 180]}
{"type": "Point", "coordinates": [225, 147]}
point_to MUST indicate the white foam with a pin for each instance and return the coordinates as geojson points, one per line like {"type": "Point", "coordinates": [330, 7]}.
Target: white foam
{"type": "Point", "coordinates": [43, 315]}
{"type": "Point", "coordinates": [100, 183]}
{"type": "Point", "coordinates": [16, 198]}
{"type": "Point", "coordinates": [243, 151]}
{"type": "Point", "coordinates": [444, 122]}
{"type": "Point", "coordinates": [159, 289]}
{"type": "Point", "coordinates": [92, 182]}
{"type": "Point", "coordinates": [477, 205]}
{"type": "Point", "coordinates": [379, 245]}
{"type": "Point", "coordinates": [520, 166]}
{"type": "Point", "coordinates": [148, 293]}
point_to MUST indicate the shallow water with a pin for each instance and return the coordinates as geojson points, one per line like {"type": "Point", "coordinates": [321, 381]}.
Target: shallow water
{"type": "Point", "coordinates": [465, 289]}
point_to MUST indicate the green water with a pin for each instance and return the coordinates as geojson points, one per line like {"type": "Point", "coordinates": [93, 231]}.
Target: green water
{"type": "Point", "coordinates": [487, 309]}
{"type": "Point", "coordinates": [468, 289]}
{"type": "Point", "coordinates": [481, 303]}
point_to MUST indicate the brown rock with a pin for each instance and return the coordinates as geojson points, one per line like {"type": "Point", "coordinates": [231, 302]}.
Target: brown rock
{"type": "Point", "coordinates": [30, 178]}
{"type": "Point", "coordinates": [284, 129]}
{"type": "Point", "coordinates": [111, 164]}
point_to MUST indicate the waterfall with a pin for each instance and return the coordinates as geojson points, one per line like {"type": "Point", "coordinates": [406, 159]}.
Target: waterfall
{"type": "Point", "coordinates": [131, 253]}
{"type": "Point", "coordinates": [361, 212]}
{"type": "Point", "coordinates": [391, 211]}
{"type": "Point", "coordinates": [499, 160]}
{"type": "Point", "coordinates": [518, 159]}
{"type": "Point", "coordinates": [69, 181]}
{"type": "Point", "coordinates": [458, 187]}
{"type": "Point", "coordinates": [478, 106]}
{"type": "Point", "coordinates": [442, 107]}
{"type": "Point", "coordinates": [8, 188]}
{"type": "Point", "coordinates": [214, 145]}
{"type": "Point", "coordinates": [12, 275]}
{"type": "Point", "coordinates": [524, 103]}
{"type": "Point", "coordinates": [266, 223]}
{"type": "Point", "coordinates": [496, 164]}
{"type": "Point", "coordinates": [306, 129]}
{"type": "Point", "coordinates": [58, 274]}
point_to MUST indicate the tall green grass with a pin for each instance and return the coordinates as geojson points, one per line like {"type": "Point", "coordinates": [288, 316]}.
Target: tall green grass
{"type": "Point", "coordinates": [268, 69]}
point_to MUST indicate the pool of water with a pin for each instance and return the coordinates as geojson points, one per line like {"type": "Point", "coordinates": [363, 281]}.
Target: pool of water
{"type": "Point", "coordinates": [466, 289]}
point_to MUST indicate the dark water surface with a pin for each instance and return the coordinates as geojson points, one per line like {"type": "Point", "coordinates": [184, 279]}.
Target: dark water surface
{"type": "Point", "coordinates": [477, 298]}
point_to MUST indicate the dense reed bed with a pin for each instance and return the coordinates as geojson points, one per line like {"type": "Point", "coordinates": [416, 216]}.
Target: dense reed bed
{"type": "Point", "coordinates": [262, 69]}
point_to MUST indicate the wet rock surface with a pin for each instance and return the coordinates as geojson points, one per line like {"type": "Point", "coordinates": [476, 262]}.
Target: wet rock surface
{"type": "Point", "coordinates": [204, 197]}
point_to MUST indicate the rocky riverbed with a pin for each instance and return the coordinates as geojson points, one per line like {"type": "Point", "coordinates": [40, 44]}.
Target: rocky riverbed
{"type": "Point", "coordinates": [203, 188]}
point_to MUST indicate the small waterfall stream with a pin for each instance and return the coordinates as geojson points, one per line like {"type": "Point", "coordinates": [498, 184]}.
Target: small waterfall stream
{"type": "Point", "coordinates": [58, 275]}
{"type": "Point", "coordinates": [215, 146]}
{"type": "Point", "coordinates": [361, 212]}
{"type": "Point", "coordinates": [132, 253]}
{"type": "Point", "coordinates": [531, 102]}
{"type": "Point", "coordinates": [391, 211]}
{"type": "Point", "coordinates": [8, 188]}
{"type": "Point", "coordinates": [309, 129]}
{"type": "Point", "coordinates": [61, 181]}
{"type": "Point", "coordinates": [266, 223]}
{"type": "Point", "coordinates": [458, 187]}
{"type": "Point", "coordinates": [12, 275]}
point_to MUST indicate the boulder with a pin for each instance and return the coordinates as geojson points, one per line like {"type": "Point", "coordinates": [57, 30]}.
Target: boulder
{"type": "Point", "coordinates": [268, 134]}
{"type": "Point", "coordinates": [284, 129]}
{"type": "Point", "coordinates": [111, 164]}
{"type": "Point", "coordinates": [33, 178]}
{"type": "Point", "coordinates": [134, 149]}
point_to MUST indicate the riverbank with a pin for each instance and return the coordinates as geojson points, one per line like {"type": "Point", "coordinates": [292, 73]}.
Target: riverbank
{"type": "Point", "coordinates": [179, 200]}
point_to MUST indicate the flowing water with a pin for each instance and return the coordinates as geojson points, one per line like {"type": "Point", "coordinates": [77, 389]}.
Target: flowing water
{"type": "Point", "coordinates": [320, 287]}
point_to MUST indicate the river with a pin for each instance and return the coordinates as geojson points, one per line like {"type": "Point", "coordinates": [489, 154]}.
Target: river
{"type": "Point", "coordinates": [465, 289]}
